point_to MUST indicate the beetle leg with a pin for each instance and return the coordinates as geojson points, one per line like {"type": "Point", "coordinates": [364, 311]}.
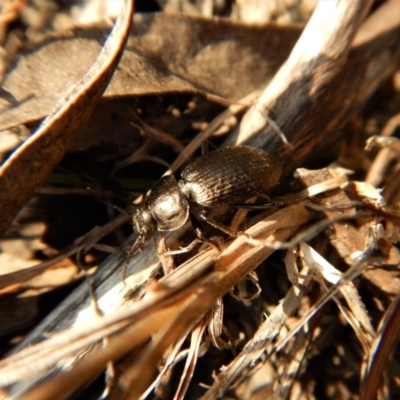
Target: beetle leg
{"type": "Point", "coordinates": [274, 203]}
{"type": "Point", "coordinates": [199, 232]}
{"type": "Point", "coordinates": [202, 215]}
{"type": "Point", "coordinates": [205, 147]}
{"type": "Point", "coordinates": [263, 206]}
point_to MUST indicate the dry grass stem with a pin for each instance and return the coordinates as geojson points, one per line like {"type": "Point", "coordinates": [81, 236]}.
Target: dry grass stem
{"type": "Point", "coordinates": [292, 294]}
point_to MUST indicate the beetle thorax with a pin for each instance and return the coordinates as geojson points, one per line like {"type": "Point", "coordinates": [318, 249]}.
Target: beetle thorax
{"type": "Point", "coordinates": [168, 205]}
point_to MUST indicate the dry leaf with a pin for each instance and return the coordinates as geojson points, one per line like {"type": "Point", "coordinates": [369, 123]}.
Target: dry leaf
{"type": "Point", "coordinates": [164, 54]}
{"type": "Point", "coordinates": [30, 165]}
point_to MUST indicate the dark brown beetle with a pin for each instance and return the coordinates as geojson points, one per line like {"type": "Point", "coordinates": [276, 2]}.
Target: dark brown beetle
{"type": "Point", "coordinates": [227, 176]}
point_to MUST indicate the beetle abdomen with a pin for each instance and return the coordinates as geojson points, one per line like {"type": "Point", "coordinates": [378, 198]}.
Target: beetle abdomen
{"type": "Point", "coordinates": [230, 175]}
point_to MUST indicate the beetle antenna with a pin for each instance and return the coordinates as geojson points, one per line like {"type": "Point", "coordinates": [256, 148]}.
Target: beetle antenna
{"type": "Point", "coordinates": [129, 253]}
{"type": "Point", "coordinates": [106, 202]}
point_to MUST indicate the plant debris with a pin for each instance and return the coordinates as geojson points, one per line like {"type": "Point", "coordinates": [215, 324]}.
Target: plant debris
{"type": "Point", "coordinates": [303, 302]}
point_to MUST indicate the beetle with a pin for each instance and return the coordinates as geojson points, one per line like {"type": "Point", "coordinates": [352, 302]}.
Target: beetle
{"type": "Point", "coordinates": [227, 176]}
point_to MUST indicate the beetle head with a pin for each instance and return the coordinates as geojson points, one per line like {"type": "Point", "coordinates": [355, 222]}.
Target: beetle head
{"type": "Point", "coordinates": [143, 222]}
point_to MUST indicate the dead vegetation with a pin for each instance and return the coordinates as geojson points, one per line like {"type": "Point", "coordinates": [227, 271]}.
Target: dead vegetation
{"type": "Point", "coordinates": [305, 304]}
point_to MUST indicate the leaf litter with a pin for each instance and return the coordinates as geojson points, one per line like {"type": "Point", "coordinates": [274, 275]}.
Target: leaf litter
{"type": "Point", "coordinates": [270, 289]}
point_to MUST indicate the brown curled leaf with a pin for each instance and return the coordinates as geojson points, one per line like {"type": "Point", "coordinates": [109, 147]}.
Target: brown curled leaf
{"type": "Point", "coordinates": [31, 164]}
